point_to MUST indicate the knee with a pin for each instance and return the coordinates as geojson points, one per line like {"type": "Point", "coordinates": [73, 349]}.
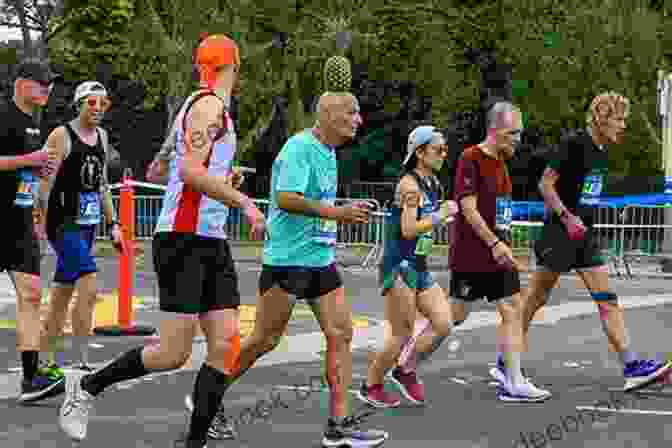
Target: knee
{"type": "Point", "coordinates": [442, 327]}
{"type": "Point", "coordinates": [607, 302]}
{"type": "Point", "coordinates": [339, 334]}
{"type": "Point", "coordinates": [31, 295]}
{"type": "Point", "coordinates": [179, 359]}
{"type": "Point", "coordinates": [172, 359]}
{"type": "Point", "coordinates": [270, 343]}
{"type": "Point", "coordinates": [510, 312]}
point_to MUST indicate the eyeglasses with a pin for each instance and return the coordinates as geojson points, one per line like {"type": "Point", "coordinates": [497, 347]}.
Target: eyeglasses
{"type": "Point", "coordinates": [440, 149]}
{"type": "Point", "coordinates": [102, 102]}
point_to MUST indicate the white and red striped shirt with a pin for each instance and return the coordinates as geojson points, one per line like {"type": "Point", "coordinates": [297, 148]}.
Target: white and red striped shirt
{"type": "Point", "coordinates": [186, 210]}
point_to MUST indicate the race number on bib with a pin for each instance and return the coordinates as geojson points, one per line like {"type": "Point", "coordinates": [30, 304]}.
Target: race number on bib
{"type": "Point", "coordinates": [326, 228]}
{"type": "Point", "coordinates": [592, 189]}
{"type": "Point", "coordinates": [89, 208]}
{"type": "Point", "coordinates": [425, 244]}
{"type": "Point", "coordinates": [504, 216]}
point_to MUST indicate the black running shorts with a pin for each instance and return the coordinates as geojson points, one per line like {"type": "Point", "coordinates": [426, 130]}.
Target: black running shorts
{"type": "Point", "coordinates": [302, 282]}
{"type": "Point", "coordinates": [20, 248]}
{"type": "Point", "coordinates": [557, 253]}
{"type": "Point", "coordinates": [493, 286]}
{"type": "Point", "coordinates": [196, 274]}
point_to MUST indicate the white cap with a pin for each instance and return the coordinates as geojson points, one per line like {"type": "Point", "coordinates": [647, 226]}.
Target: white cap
{"type": "Point", "coordinates": [422, 135]}
{"type": "Point", "coordinates": [89, 88]}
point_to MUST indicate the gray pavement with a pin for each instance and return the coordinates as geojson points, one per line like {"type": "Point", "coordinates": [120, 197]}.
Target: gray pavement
{"type": "Point", "coordinates": [568, 355]}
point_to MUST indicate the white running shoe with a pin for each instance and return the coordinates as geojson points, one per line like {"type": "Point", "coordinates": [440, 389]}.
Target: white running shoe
{"type": "Point", "coordinates": [78, 403]}
{"type": "Point", "coordinates": [522, 393]}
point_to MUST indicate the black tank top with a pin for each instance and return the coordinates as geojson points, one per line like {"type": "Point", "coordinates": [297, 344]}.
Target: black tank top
{"type": "Point", "coordinates": [75, 197]}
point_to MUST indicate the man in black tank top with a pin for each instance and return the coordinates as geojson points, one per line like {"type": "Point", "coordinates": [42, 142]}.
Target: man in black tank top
{"type": "Point", "coordinates": [75, 200]}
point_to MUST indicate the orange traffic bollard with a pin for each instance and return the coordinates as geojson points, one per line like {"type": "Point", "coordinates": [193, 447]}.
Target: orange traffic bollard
{"type": "Point", "coordinates": [126, 268]}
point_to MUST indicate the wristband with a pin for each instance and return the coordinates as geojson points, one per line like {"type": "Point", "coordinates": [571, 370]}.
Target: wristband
{"type": "Point", "coordinates": [436, 218]}
{"type": "Point", "coordinates": [492, 246]}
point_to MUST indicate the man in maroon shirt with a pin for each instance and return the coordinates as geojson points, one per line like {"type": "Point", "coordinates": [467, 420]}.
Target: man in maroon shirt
{"type": "Point", "coordinates": [481, 261]}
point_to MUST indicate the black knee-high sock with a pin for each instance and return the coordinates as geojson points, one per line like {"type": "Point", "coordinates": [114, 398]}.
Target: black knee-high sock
{"type": "Point", "coordinates": [127, 367]}
{"type": "Point", "coordinates": [29, 361]}
{"type": "Point", "coordinates": [209, 389]}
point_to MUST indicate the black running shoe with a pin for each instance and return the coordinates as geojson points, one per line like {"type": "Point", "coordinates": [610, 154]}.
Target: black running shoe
{"type": "Point", "coordinates": [43, 385]}
{"type": "Point", "coordinates": [221, 427]}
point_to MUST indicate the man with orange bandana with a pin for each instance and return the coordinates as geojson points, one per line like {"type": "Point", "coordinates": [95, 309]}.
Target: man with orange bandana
{"type": "Point", "coordinates": [22, 162]}
{"type": "Point", "coordinates": [197, 280]}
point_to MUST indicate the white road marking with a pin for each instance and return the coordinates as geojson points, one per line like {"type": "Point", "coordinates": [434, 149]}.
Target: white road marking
{"type": "Point", "coordinates": [624, 411]}
{"type": "Point", "coordinates": [305, 347]}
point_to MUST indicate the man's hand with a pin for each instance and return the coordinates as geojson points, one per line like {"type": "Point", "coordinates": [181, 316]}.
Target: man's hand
{"type": "Point", "coordinates": [43, 162]}
{"type": "Point", "coordinates": [352, 215]}
{"type": "Point", "coordinates": [575, 227]}
{"type": "Point", "coordinates": [503, 255]}
{"type": "Point", "coordinates": [255, 218]}
{"type": "Point", "coordinates": [448, 209]}
{"type": "Point", "coordinates": [117, 237]}
{"type": "Point", "coordinates": [237, 178]}
{"type": "Point", "coordinates": [39, 222]}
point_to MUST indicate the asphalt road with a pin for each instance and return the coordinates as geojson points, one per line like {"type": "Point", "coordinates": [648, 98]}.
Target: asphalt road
{"type": "Point", "coordinates": [568, 355]}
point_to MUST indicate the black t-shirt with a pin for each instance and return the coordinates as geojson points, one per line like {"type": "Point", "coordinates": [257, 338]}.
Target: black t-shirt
{"type": "Point", "coordinates": [583, 169]}
{"type": "Point", "coordinates": [19, 134]}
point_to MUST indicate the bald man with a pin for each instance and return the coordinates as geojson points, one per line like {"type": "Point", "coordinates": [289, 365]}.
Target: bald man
{"type": "Point", "coordinates": [299, 258]}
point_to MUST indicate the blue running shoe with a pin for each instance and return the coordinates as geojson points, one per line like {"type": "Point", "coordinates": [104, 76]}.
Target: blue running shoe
{"type": "Point", "coordinates": [348, 433]}
{"type": "Point", "coordinates": [641, 373]}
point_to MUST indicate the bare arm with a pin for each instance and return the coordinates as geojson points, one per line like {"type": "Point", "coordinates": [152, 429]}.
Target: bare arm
{"type": "Point", "coordinates": [297, 203]}
{"type": "Point", "coordinates": [410, 201]}
{"type": "Point", "coordinates": [549, 193]}
{"type": "Point", "coordinates": [105, 193]}
{"type": "Point", "coordinates": [474, 218]}
{"type": "Point", "coordinates": [55, 146]}
{"type": "Point", "coordinates": [13, 163]}
{"type": "Point", "coordinates": [204, 120]}
{"type": "Point", "coordinates": [158, 171]}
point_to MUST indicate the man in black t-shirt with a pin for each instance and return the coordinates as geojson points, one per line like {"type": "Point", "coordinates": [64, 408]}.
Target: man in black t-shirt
{"type": "Point", "coordinates": [571, 187]}
{"type": "Point", "coordinates": [22, 162]}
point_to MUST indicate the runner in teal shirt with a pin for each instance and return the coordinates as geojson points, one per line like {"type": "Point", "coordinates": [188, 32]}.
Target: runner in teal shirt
{"type": "Point", "coordinates": [305, 166]}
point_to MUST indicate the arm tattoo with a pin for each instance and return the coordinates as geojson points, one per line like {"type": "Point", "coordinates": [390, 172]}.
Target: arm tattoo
{"type": "Point", "coordinates": [199, 140]}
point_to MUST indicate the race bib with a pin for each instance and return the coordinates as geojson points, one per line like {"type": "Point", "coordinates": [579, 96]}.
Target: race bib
{"type": "Point", "coordinates": [424, 245]}
{"type": "Point", "coordinates": [89, 208]}
{"type": "Point", "coordinates": [592, 189]}
{"type": "Point", "coordinates": [326, 228]}
{"type": "Point", "coordinates": [28, 186]}
{"type": "Point", "coordinates": [504, 216]}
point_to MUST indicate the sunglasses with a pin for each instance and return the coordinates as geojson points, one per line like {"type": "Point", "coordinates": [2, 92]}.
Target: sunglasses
{"type": "Point", "coordinates": [101, 102]}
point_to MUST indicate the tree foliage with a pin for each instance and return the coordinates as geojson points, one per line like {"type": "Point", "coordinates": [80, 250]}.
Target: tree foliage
{"type": "Point", "coordinates": [563, 52]}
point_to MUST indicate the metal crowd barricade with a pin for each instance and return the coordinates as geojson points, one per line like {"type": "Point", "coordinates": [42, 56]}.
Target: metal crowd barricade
{"type": "Point", "coordinates": [608, 234]}
{"type": "Point", "coordinates": [362, 235]}
{"type": "Point", "coordinates": [643, 234]}
{"type": "Point", "coordinates": [148, 208]}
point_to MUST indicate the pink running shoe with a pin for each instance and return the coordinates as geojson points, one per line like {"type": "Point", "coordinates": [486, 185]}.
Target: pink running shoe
{"type": "Point", "coordinates": [412, 389]}
{"type": "Point", "coordinates": [377, 397]}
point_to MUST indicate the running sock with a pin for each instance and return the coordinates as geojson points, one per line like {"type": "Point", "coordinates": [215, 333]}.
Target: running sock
{"type": "Point", "coordinates": [437, 340]}
{"type": "Point", "coordinates": [29, 361]}
{"type": "Point", "coordinates": [208, 392]}
{"type": "Point", "coordinates": [84, 352]}
{"type": "Point", "coordinates": [627, 357]}
{"type": "Point", "coordinates": [513, 369]}
{"type": "Point", "coordinates": [127, 367]}
{"type": "Point", "coordinates": [500, 358]}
